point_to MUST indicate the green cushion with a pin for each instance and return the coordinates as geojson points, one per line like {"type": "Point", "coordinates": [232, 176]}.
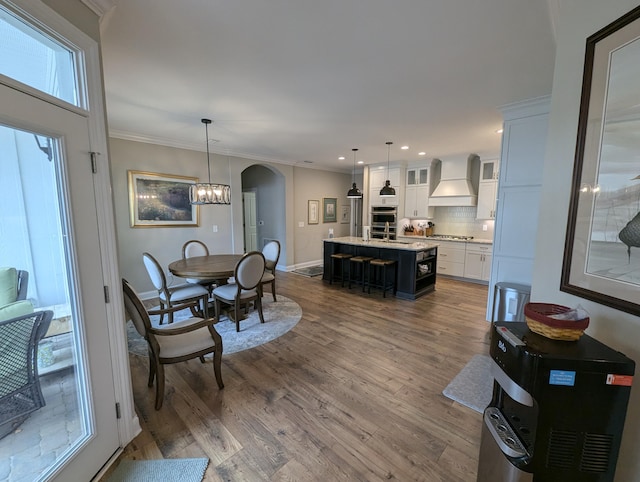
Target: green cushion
{"type": "Point", "coordinates": [8, 285]}
{"type": "Point", "coordinates": [15, 309]}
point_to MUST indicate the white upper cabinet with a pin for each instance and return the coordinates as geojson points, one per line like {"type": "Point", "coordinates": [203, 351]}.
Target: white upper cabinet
{"type": "Point", "coordinates": [377, 179]}
{"type": "Point", "coordinates": [417, 176]}
{"type": "Point", "coordinates": [488, 189]}
{"type": "Point", "coordinates": [489, 170]}
{"type": "Point", "coordinates": [417, 192]}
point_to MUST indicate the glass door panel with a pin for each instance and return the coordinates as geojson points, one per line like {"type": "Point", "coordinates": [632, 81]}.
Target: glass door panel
{"type": "Point", "coordinates": [49, 229]}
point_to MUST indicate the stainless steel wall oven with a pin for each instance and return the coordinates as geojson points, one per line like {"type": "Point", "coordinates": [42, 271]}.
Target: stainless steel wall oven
{"type": "Point", "coordinates": [380, 215]}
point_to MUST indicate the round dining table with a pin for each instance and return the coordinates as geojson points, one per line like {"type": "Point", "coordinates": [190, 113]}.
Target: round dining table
{"type": "Point", "coordinates": [218, 267]}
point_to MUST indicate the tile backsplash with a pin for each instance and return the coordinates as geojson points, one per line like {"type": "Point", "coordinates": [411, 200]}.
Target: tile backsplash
{"type": "Point", "coordinates": [460, 221]}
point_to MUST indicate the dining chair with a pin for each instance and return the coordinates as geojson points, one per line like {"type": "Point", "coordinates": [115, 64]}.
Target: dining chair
{"type": "Point", "coordinates": [193, 248]}
{"type": "Point", "coordinates": [271, 252]}
{"type": "Point", "coordinates": [180, 341]}
{"type": "Point", "coordinates": [170, 297]}
{"type": "Point", "coordinates": [247, 287]}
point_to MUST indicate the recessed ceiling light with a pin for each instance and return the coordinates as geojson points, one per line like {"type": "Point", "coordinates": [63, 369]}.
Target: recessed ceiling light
{"type": "Point", "coordinates": [360, 162]}
{"type": "Point", "coordinates": [404, 148]}
{"type": "Point", "coordinates": [308, 162]}
{"type": "Point", "coordinates": [499, 131]}
{"type": "Point", "coordinates": [341, 158]}
{"type": "Point", "coordinates": [422, 153]}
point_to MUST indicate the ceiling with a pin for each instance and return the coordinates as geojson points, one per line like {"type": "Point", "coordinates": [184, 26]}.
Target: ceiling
{"type": "Point", "coordinates": [303, 82]}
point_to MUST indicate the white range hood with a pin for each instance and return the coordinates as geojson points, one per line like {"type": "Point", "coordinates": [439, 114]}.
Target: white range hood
{"type": "Point", "coordinates": [456, 187]}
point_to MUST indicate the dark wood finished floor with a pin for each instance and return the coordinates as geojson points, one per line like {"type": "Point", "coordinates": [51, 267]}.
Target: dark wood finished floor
{"type": "Point", "coordinates": [353, 392]}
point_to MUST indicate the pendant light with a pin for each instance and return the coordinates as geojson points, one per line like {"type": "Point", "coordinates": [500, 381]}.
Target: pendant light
{"type": "Point", "coordinates": [387, 190]}
{"type": "Point", "coordinates": [354, 192]}
{"type": "Point", "coordinates": [207, 192]}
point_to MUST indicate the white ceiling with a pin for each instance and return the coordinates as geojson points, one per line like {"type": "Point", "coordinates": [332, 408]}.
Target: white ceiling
{"type": "Point", "coordinates": [298, 81]}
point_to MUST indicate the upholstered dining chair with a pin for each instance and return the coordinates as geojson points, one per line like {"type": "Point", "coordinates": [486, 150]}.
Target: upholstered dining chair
{"type": "Point", "coordinates": [271, 252]}
{"type": "Point", "coordinates": [246, 287]}
{"type": "Point", "coordinates": [180, 341]}
{"type": "Point", "coordinates": [20, 392]}
{"type": "Point", "coordinates": [193, 248]}
{"type": "Point", "coordinates": [177, 295]}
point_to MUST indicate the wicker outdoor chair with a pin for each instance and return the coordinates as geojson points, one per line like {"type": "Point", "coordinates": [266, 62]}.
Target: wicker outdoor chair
{"type": "Point", "coordinates": [20, 392]}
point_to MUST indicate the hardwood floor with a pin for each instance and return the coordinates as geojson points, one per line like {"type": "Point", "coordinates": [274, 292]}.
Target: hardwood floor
{"type": "Point", "coordinates": [353, 392]}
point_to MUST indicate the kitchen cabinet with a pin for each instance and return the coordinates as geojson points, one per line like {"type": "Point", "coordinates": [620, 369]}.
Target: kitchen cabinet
{"type": "Point", "coordinates": [417, 176]}
{"type": "Point", "coordinates": [487, 199]}
{"type": "Point", "coordinates": [416, 202]}
{"type": "Point", "coordinates": [489, 170]}
{"type": "Point", "coordinates": [451, 258]}
{"type": "Point", "coordinates": [477, 262]}
{"type": "Point", "coordinates": [487, 189]}
{"type": "Point", "coordinates": [377, 179]}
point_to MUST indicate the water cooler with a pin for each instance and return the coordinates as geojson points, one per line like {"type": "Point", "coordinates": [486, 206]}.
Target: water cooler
{"type": "Point", "coordinates": [557, 411]}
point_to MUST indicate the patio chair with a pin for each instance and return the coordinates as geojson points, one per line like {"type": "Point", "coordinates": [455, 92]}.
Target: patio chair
{"type": "Point", "coordinates": [20, 392]}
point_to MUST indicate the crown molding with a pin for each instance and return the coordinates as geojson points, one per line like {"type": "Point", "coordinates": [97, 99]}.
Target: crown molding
{"type": "Point", "coordinates": [161, 141]}
{"type": "Point", "coordinates": [100, 7]}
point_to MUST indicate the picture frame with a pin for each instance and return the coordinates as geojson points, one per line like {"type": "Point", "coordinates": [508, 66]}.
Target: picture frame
{"type": "Point", "coordinates": [329, 210]}
{"type": "Point", "coordinates": [345, 214]}
{"type": "Point", "coordinates": [602, 245]}
{"type": "Point", "coordinates": [161, 200]}
{"type": "Point", "coordinates": [313, 211]}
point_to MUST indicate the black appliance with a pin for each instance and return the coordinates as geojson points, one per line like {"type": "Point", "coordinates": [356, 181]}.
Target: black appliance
{"type": "Point", "coordinates": [557, 411]}
{"type": "Point", "coordinates": [380, 216]}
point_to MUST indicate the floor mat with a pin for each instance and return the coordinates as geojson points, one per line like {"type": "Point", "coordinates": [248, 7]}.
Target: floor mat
{"type": "Point", "coordinates": [473, 386]}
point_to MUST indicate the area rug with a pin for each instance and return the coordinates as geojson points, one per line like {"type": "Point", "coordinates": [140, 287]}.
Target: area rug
{"type": "Point", "coordinates": [473, 386]}
{"type": "Point", "coordinates": [279, 317]}
{"type": "Point", "coordinates": [310, 271]}
{"type": "Point", "coordinates": [183, 470]}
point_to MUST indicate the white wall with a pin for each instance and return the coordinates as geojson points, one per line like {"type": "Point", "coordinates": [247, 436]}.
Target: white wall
{"type": "Point", "coordinates": [577, 20]}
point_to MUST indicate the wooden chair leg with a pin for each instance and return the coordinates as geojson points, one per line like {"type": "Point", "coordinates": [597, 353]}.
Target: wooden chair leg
{"type": "Point", "coordinates": [259, 306]}
{"type": "Point", "coordinates": [159, 386]}
{"type": "Point", "coordinates": [202, 359]}
{"type": "Point", "coordinates": [217, 360]}
{"type": "Point", "coordinates": [273, 289]}
{"type": "Point", "coordinates": [236, 314]}
{"type": "Point", "coordinates": [152, 368]}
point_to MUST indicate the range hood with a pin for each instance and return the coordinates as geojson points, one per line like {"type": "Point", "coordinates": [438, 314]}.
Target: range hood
{"type": "Point", "coordinates": [457, 186]}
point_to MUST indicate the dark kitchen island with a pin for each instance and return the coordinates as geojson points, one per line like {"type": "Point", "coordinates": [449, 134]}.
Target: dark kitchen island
{"type": "Point", "coordinates": [416, 261]}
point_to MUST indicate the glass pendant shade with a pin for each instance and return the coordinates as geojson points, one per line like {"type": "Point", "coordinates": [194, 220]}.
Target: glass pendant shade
{"type": "Point", "coordinates": [387, 190]}
{"type": "Point", "coordinates": [354, 192]}
{"type": "Point", "coordinates": [208, 192]}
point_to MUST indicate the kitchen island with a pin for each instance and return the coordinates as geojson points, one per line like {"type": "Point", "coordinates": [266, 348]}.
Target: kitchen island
{"type": "Point", "coordinates": [416, 261]}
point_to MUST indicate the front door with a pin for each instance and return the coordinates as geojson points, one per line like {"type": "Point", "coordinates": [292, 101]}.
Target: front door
{"type": "Point", "coordinates": [50, 229]}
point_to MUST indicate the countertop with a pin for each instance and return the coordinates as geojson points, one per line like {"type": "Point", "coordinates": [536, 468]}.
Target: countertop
{"type": "Point", "coordinates": [376, 243]}
{"type": "Point", "coordinates": [436, 240]}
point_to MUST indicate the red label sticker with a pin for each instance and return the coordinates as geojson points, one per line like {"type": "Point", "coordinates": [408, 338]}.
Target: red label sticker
{"type": "Point", "coordinates": [623, 380]}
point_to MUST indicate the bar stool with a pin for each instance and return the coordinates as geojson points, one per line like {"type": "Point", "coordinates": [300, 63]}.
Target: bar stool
{"type": "Point", "coordinates": [363, 261]}
{"type": "Point", "coordinates": [342, 257]}
{"type": "Point", "coordinates": [383, 264]}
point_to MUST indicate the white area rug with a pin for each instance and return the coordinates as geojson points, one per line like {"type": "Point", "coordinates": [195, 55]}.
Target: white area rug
{"type": "Point", "coordinates": [473, 386]}
{"type": "Point", "coordinates": [279, 317]}
{"type": "Point", "coordinates": [183, 470]}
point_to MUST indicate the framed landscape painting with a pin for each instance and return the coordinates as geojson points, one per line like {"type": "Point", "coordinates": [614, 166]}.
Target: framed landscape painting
{"type": "Point", "coordinates": [160, 200]}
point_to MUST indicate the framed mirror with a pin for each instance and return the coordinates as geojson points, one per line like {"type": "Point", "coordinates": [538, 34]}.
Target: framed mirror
{"type": "Point", "coordinates": [602, 246]}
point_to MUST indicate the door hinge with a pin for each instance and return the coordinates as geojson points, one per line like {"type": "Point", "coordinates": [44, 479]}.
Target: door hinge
{"type": "Point", "coordinates": [107, 298]}
{"type": "Point", "coordinates": [118, 414]}
{"type": "Point", "coordinates": [94, 162]}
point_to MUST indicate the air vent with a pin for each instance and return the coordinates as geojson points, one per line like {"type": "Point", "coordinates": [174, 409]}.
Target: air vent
{"type": "Point", "coordinates": [562, 449]}
{"type": "Point", "coordinates": [596, 453]}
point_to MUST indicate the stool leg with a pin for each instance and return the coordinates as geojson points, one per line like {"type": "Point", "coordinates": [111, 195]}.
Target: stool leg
{"type": "Point", "coordinates": [384, 281]}
{"type": "Point", "coordinates": [342, 273]}
{"type": "Point", "coordinates": [350, 266]}
{"type": "Point", "coordinates": [364, 265]}
{"type": "Point", "coordinates": [369, 280]}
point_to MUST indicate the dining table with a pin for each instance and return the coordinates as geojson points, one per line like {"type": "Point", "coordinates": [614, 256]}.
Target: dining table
{"type": "Point", "coordinates": [218, 267]}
